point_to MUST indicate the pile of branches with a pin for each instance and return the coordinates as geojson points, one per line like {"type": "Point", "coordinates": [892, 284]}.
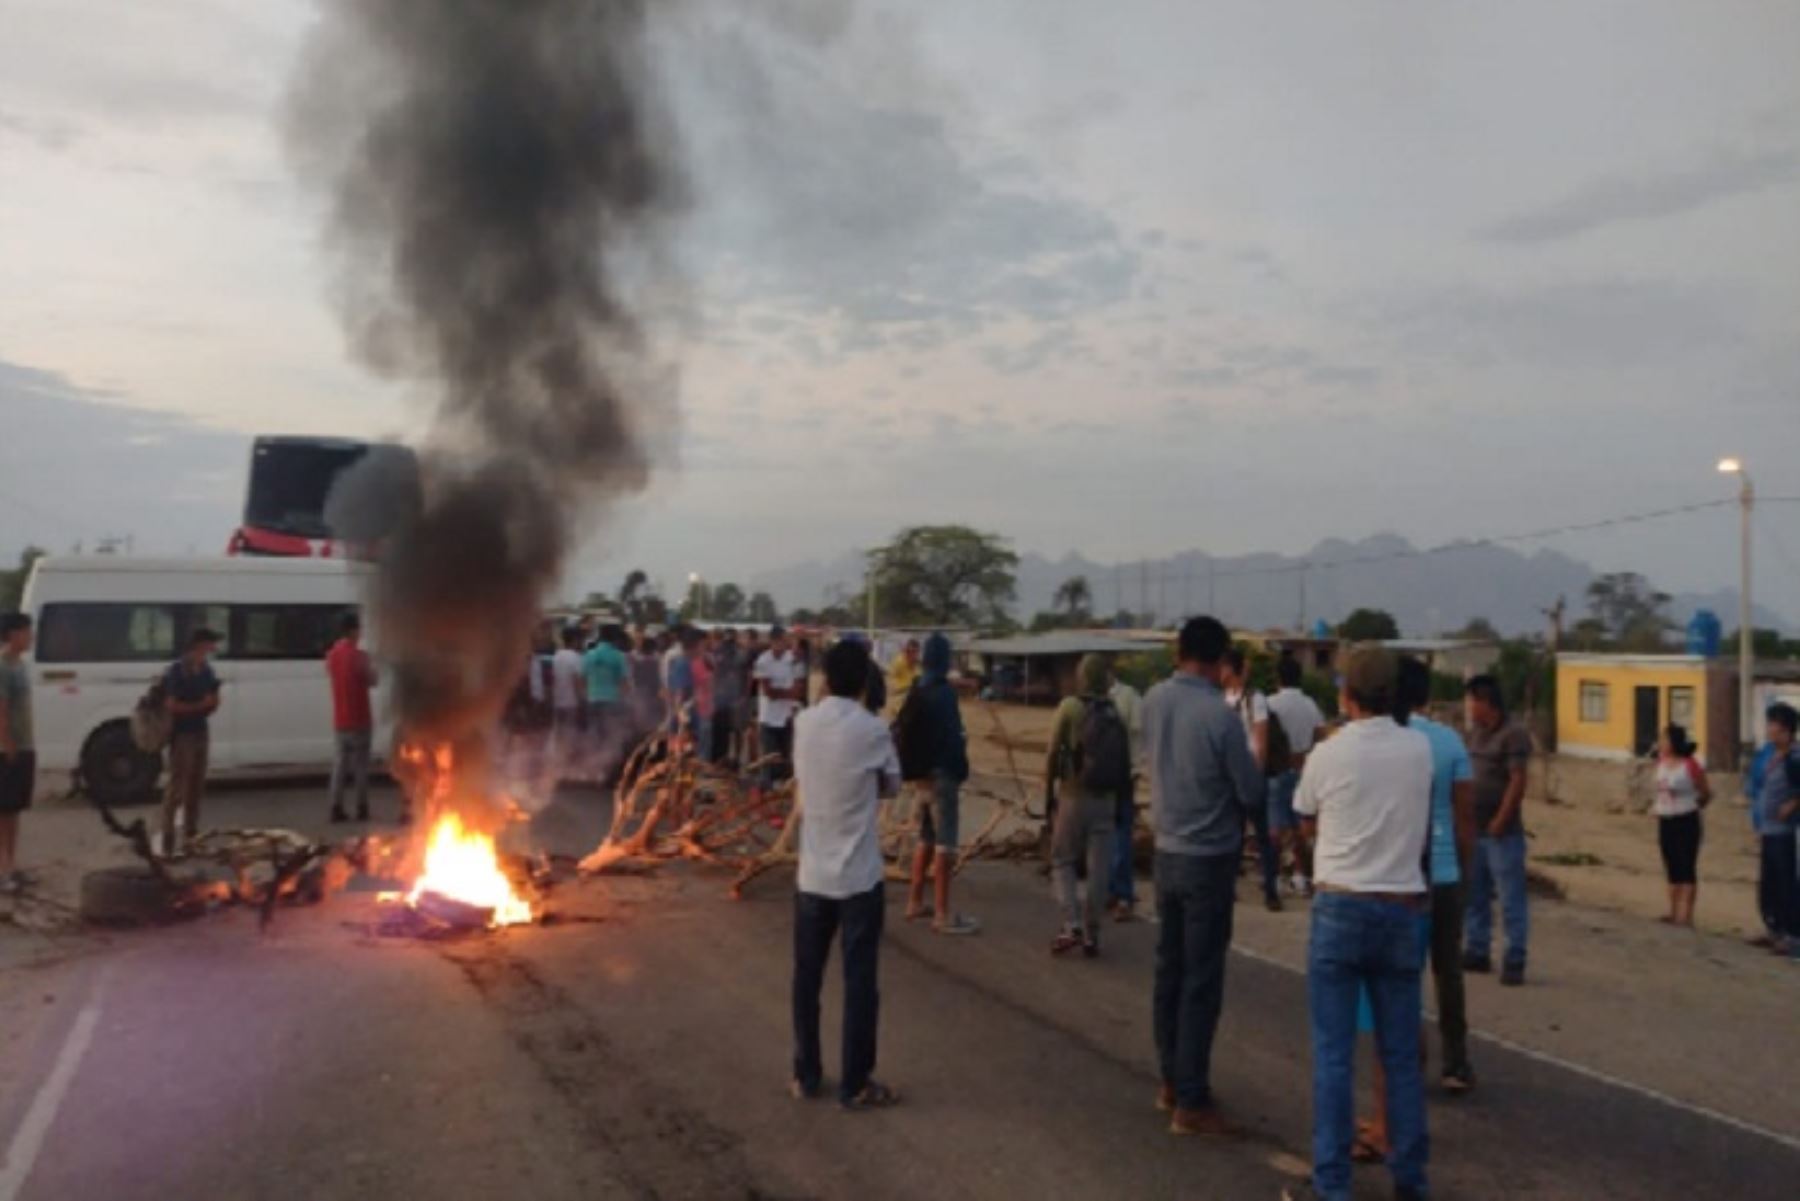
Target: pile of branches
{"type": "Point", "coordinates": [671, 805]}
{"type": "Point", "coordinates": [262, 868]}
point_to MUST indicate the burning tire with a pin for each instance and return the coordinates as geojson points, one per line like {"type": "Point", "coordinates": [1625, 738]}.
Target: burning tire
{"type": "Point", "coordinates": [113, 769]}
{"type": "Point", "coordinates": [126, 896]}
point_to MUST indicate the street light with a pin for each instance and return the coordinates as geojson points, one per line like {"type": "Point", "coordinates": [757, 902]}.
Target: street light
{"type": "Point", "coordinates": [1746, 662]}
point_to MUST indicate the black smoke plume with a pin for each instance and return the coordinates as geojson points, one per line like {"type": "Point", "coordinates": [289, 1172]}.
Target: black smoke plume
{"type": "Point", "coordinates": [499, 175]}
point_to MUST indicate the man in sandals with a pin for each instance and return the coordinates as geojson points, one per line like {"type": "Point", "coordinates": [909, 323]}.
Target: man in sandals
{"type": "Point", "coordinates": [1203, 781]}
{"type": "Point", "coordinates": [844, 764]}
{"type": "Point", "coordinates": [945, 747]}
{"type": "Point", "coordinates": [1086, 769]}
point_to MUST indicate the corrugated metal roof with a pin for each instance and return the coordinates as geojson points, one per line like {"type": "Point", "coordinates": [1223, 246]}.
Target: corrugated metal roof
{"type": "Point", "coordinates": [1057, 642]}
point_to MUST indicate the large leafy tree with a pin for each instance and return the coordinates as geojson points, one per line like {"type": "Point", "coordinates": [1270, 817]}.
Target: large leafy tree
{"type": "Point", "coordinates": [947, 575]}
{"type": "Point", "coordinates": [1633, 615]}
{"type": "Point", "coordinates": [1074, 597]}
{"type": "Point", "coordinates": [12, 583]}
{"type": "Point", "coordinates": [1369, 625]}
{"type": "Point", "coordinates": [630, 598]}
{"type": "Point", "coordinates": [727, 603]}
{"type": "Point", "coordinates": [763, 610]}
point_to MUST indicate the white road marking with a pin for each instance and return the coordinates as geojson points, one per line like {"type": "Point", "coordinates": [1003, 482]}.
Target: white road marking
{"type": "Point", "coordinates": [28, 1140]}
{"type": "Point", "coordinates": [1594, 1074]}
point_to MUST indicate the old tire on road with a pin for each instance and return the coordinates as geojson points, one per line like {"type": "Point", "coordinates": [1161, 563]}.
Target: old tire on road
{"type": "Point", "coordinates": [127, 896]}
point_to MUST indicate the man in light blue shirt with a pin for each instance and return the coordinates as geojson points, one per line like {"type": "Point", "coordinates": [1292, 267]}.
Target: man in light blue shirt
{"type": "Point", "coordinates": [1451, 844]}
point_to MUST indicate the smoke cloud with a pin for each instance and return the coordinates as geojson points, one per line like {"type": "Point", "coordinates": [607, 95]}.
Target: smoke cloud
{"type": "Point", "coordinates": [500, 176]}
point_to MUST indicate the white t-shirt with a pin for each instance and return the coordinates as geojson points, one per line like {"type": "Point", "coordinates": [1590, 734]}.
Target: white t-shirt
{"type": "Point", "coordinates": [567, 685]}
{"type": "Point", "coordinates": [776, 671]}
{"type": "Point", "coordinates": [843, 761]}
{"type": "Point", "coordinates": [1300, 718]}
{"type": "Point", "coordinates": [1677, 788]}
{"type": "Point", "coordinates": [1370, 788]}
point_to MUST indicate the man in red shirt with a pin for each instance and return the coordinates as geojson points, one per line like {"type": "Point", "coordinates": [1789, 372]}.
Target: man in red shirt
{"type": "Point", "coordinates": [352, 679]}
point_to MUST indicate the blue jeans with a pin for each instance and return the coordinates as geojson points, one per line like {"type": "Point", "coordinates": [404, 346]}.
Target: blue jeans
{"type": "Point", "coordinates": [1362, 943]}
{"type": "Point", "coordinates": [1121, 882]}
{"type": "Point", "coordinates": [817, 919]}
{"type": "Point", "coordinates": [1499, 862]}
{"type": "Point", "coordinates": [1194, 899]}
{"type": "Point", "coordinates": [1266, 853]}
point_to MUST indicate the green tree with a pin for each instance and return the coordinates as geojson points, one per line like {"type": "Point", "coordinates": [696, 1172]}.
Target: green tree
{"type": "Point", "coordinates": [1633, 614]}
{"type": "Point", "coordinates": [1478, 629]}
{"type": "Point", "coordinates": [1369, 625]}
{"type": "Point", "coordinates": [1764, 644]}
{"type": "Point", "coordinates": [629, 599]}
{"type": "Point", "coordinates": [12, 583]}
{"type": "Point", "coordinates": [727, 603]}
{"type": "Point", "coordinates": [654, 610]}
{"type": "Point", "coordinates": [946, 575]}
{"type": "Point", "coordinates": [1074, 597]}
{"type": "Point", "coordinates": [763, 610]}
{"type": "Point", "coordinates": [804, 617]}
{"type": "Point", "coordinates": [598, 600]}
{"type": "Point", "coordinates": [697, 604]}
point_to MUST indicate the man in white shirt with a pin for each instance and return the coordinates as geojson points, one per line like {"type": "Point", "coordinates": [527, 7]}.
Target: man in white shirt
{"type": "Point", "coordinates": [568, 699]}
{"type": "Point", "coordinates": [779, 679]}
{"type": "Point", "coordinates": [1253, 709]}
{"type": "Point", "coordinates": [844, 764]}
{"type": "Point", "coordinates": [1367, 792]}
{"type": "Point", "coordinates": [1299, 719]}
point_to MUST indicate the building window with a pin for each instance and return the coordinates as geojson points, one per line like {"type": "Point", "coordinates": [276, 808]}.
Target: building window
{"type": "Point", "coordinates": [1681, 707]}
{"type": "Point", "coordinates": [1596, 701]}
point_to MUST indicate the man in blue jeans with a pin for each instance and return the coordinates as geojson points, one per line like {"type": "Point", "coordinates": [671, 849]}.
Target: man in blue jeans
{"type": "Point", "coordinates": [1203, 781]}
{"type": "Point", "coordinates": [1366, 801]}
{"type": "Point", "coordinates": [844, 763]}
{"type": "Point", "coordinates": [1499, 750]}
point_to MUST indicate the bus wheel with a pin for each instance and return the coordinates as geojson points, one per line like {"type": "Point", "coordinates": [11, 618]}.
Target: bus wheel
{"type": "Point", "coordinates": [113, 769]}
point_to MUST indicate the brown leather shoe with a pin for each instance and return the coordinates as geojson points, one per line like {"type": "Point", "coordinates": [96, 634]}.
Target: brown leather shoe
{"type": "Point", "coordinates": [1208, 1121]}
{"type": "Point", "coordinates": [1165, 1098]}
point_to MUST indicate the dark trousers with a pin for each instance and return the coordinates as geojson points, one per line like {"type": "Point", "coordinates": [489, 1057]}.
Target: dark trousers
{"type": "Point", "coordinates": [776, 740]}
{"type": "Point", "coordinates": [1195, 896]}
{"type": "Point", "coordinates": [1121, 876]}
{"type": "Point", "coordinates": [724, 728]}
{"type": "Point", "coordinates": [1447, 904]}
{"type": "Point", "coordinates": [1266, 853]}
{"type": "Point", "coordinates": [1776, 890]}
{"type": "Point", "coordinates": [817, 920]}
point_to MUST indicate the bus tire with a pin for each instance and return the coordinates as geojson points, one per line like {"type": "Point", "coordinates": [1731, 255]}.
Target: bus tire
{"type": "Point", "coordinates": [114, 771]}
{"type": "Point", "coordinates": [126, 896]}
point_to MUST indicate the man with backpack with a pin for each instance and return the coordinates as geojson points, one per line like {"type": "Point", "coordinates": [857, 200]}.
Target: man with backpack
{"type": "Point", "coordinates": [191, 693]}
{"type": "Point", "coordinates": [1252, 709]}
{"type": "Point", "coordinates": [1087, 767]}
{"type": "Point", "coordinates": [934, 755]}
{"type": "Point", "coordinates": [1203, 781]}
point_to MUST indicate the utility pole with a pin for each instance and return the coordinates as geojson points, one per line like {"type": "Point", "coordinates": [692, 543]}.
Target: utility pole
{"type": "Point", "coordinates": [1143, 588]}
{"type": "Point", "coordinates": [1746, 632]}
{"type": "Point", "coordinates": [1300, 628]}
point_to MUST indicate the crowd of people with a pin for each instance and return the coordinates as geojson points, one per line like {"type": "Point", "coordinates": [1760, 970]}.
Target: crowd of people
{"type": "Point", "coordinates": [1402, 830]}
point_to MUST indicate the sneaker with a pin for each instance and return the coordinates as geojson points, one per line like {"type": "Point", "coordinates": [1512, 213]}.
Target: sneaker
{"type": "Point", "coordinates": [1513, 975]}
{"type": "Point", "coordinates": [1068, 940]}
{"type": "Point", "coordinates": [1208, 1121]}
{"type": "Point", "coordinates": [957, 924]}
{"type": "Point", "coordinates": [799, 1090]}
{"type": "Point", "coordinates": [1306, 887]}
{"type": "Point", "coordinates": [1481, 965]}
{"type": "Point", "coordinates": [1459, 1079]}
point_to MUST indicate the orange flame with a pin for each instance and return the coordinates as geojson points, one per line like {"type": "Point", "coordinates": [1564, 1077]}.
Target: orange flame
{"type": "Point", "coordinates": [461, 864]}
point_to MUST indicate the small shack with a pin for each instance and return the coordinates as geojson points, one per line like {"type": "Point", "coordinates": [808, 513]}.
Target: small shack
{"type": "Point", "coordinates": [1614, 706]}
{"type": "Point", "coordinates": [1039, 669]}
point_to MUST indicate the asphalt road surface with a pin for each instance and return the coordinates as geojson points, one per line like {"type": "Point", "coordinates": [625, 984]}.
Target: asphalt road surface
{"type": "Point", "coordinates": [639, 1049]}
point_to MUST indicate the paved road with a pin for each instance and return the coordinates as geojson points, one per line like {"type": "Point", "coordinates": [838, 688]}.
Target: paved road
{"type": "Point", "coordinates": [639, 1050]}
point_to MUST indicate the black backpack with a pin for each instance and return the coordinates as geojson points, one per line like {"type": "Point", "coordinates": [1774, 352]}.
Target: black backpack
{"type": "Point", "coordinates": [1103, 756]}
{"type": "Point", "coordinates": [1279, 747]}
{"type": "Point", "coordinates": [911, 738]}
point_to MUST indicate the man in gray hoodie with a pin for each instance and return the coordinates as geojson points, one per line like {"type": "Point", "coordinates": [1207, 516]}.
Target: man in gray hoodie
{"type": "Point", "coordinates": [1203, 780]}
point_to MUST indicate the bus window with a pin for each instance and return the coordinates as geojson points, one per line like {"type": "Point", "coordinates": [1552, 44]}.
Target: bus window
{"type": "Point", "coordinates": [106, 633]}
{"type": "Point", "coordinates": [284, 631]}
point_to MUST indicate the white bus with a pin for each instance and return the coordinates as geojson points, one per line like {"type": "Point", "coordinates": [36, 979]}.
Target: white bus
{"type": "Point", "coordinates": [107, 626]}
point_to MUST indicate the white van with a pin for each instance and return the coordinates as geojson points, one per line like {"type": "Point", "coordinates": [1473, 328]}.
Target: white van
{"type": "Point", "coordinates": [107, 626]}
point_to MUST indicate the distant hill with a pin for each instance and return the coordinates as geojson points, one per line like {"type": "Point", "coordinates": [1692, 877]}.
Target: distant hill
{"type": "Point", "coordinates": [1427, 593]}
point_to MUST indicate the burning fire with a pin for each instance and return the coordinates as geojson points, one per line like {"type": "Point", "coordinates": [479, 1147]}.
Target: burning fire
{"type": "Point", "coordinates": [461, 862]}
{"type": "Point", "coordinates": [462, 865]}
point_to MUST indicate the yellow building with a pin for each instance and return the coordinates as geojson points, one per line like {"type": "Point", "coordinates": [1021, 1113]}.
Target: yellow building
{"type": "Point", "coordinates": [1615, 706]}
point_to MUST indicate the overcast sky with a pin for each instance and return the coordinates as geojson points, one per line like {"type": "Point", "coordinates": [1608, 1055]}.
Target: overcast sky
{"type": "Point", "coordinates": [1127, 278]}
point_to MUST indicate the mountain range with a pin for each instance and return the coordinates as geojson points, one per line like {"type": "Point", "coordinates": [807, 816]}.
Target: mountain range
{"type": "Point", "coordinates": [1428, 593]}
